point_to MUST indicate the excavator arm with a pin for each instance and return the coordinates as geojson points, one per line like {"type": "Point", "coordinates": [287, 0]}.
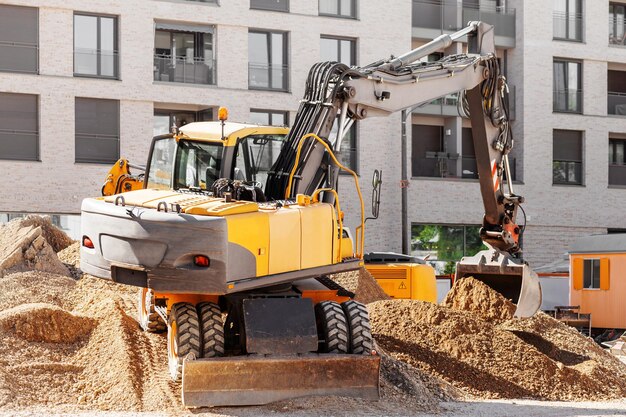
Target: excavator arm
{"type": "Point", "coordinates": [334, 91]}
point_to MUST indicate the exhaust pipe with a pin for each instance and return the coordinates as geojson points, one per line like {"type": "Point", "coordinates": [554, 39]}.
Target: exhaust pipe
{"type": "Point", "coordinates": [512, 278]}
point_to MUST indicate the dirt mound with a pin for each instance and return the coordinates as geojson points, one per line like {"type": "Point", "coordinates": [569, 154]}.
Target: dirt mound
{"type": "Point", "coordinates": [70, 256]}
{"type": "Point", "coordinates": [24, 247]}
{"type": "Point", "coordinates": [531, 358]}
{"type": "Point", "coordinates": [474, 296]}
{"type": "Point", "coordinates": [53, 235]}
{"type": "Point", "coordinates": [44, 323]}
{"type": "Point", "coordinates": [34, 287]}
{"type": "Point", "coordinates": [362, 284]}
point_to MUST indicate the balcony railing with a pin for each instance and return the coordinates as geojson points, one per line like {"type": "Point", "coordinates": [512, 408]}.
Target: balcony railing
{"type": "Point", "coordinates": [448, 105]}
{"type": "Point", "coordinates": [95, 63]}
{"type": "Point", "coordinates": [568, 26]}
{"type": "Point", "coordinates": [617, 103]}
{"type": "Point", "coordinates": [617, 174]}
{"type": "Point", "coordinates": [268, 76]}
{"type": "Point", "coordinates": [184, 69]}
{"type": "Point", "coordinates": [617, 31]}
{"type": "Point", "coordinates": [19, 57]}
{"type": "Point", "coordinates": [444, 165]}
{"type": "Point", "coordinates": [449, 15]}
{"type": "Point", "coordinates": [567, 101]}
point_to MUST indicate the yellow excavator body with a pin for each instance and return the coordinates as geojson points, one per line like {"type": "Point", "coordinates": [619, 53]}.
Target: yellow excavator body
{"type": "Point", "coordinates": [411, 281]}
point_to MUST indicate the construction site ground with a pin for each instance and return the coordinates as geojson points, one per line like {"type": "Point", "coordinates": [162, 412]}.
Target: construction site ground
{"type": "Point", "coordinates": [70, 345]}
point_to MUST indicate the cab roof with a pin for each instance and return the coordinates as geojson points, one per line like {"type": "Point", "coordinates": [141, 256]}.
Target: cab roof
{"type": "Point", "coordinates": [212, 131]}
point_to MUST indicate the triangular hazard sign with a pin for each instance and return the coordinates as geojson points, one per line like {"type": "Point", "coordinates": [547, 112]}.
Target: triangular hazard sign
{"type": "Point", "coordinates": [402, 286]}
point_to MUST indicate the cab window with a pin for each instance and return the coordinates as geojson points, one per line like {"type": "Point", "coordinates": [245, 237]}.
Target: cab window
{"type": "Point", "coordinates": [198, 164]}
{"type": "Point", "coordinates": [162, 164]}
{"type": "Point", "coordinates": [255, 156]}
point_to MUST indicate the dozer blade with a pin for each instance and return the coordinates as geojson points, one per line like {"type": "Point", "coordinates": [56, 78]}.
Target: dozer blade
{"type": "Point", "coordinates": [511, 277]}
{"type": "Point", "coordinates": [252, 380]}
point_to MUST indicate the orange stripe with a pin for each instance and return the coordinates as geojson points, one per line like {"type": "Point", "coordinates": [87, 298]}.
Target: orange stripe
{"type": "Point", "coordinates": [494, 169]}
{"type": "Point", "coordinates": [495, 186]}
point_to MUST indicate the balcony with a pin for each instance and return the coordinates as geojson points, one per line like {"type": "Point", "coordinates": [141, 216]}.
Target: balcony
{"type": "Point", "coordinates": [431, 18]}
{"type": "Point", "coordinates": [616, 103]}
{"type": "Point", "coordinates": [567, 27]}
{"type": "Point", "coordinates": [268, 77]}
{"type": "Point", "coordinates": [445, 165]}
{"type": "Point", "coordinates": [447, 105]}
{"type": "Point", "coordinates": [567, 101]}
{"type": "Point", "coordinates": [184, 70]}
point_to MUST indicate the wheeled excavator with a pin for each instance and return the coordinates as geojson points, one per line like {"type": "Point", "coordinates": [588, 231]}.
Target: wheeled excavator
{"type": "Point", "coordinates": [238, 273]}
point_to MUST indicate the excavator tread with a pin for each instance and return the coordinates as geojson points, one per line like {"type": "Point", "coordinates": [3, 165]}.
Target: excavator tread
{"type": "Point", "coordinates": [334, 327]}
{"type": "Point", "coordinates": [187, 335]}
{"type": "Point", "coordinates": [211, 329]}
{"type": "Point", "coordinates": [361, 341]}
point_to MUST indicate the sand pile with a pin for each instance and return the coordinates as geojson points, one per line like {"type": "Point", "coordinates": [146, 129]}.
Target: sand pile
{"type": "Point", "coordinates": [41, 322]}
{"type": "Point", "coordinates": [362, 284]}
{"type": "Point", "coordinates": [475, 297]}
{"type": "Point", "coordinates": [79, 348]}
{"type": "Point", "coordinates": [521, 358]}
{"type": "Point", "coordinates": [24, 247]}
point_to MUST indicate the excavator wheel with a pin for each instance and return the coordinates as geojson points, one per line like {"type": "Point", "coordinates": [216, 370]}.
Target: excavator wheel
{"type": "Point", "coordinates": [211, 329]}
{"type": "Point", "coordinates": [332, 327]}
{"type": "Point", "coordinates": [183, 337]}
{"type": "Point", "coordinates": [361, 341]}
{"type": "Point", "coordinates": [149, 320]}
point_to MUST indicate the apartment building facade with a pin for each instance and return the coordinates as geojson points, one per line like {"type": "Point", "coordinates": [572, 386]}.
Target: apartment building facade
{"type": "Point", "coordinates": [83, 83]}
{"type": "Point", "coordinates": [564, 61]}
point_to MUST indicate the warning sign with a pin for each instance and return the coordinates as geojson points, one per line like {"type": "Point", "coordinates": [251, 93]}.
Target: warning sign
{"type": "Point", "coordinates": [402, 286]}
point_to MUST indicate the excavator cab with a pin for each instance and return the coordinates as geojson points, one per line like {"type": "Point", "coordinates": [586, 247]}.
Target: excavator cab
{"type": "Point", "coordinates": [509, 276]}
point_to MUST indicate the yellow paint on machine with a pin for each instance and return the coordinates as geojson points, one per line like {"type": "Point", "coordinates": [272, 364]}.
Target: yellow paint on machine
{"type": "Point", "coordinates": [406, 280]}
{"type": "Point", "coordinates": [252, 231]}
{"type": "Point", "coordinates": [285, 240]}
{"type": "Point", "coordinates": [319, 235]}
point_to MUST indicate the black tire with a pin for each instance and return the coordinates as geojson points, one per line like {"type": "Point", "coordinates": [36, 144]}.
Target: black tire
{"type": "Point", "coordinates": [211, 329]}
{"type": "Point", "coordinates": [149, 320]}
{"type": "Point", "coordinates": [361, 340]}
{"type": "Point", "coordinates": [183, 337]}
{"type": "Point", "coordinates": [332, 328]}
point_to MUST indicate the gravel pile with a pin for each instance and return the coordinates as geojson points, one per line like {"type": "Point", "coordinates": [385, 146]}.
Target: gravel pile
{"type": "Point", "coordinates": [488, 355]}
{"type": "Point", "coordinates": [361, 283]}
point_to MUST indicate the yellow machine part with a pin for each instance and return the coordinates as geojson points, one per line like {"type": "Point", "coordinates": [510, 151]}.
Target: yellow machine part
{"type": "Point", "coordinates": [292, 238]}
{"type": "Point", "coordinates": [406, 280]}
{"type": "Point", "coordinates": [120, 180]}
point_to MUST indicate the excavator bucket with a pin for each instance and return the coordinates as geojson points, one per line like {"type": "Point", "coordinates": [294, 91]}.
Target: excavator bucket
{"type": "Point", "coordinates": [512, 278]}
{"type": "Point", "coordinates": [258, 379]}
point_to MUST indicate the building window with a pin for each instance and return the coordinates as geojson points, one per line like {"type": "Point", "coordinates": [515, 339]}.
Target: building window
{"type": "Point", "coordinates": [184, 53]}
{"type": "Point", "coordinates": [269, 117]}
{"type": "Point", "coordinates": [431, 155]}
{"type": "Point", "coordinates": [616, 93]}
{"type": "Point", "coordinates": [567, 151]}
{"type": "Point", "coordinates": [164, 119]}
{"type": "Point", "coordinates": [568, 20]}
{"type": "Point", "coordinates": [591, 273]}
{"type": "Point", "coordinates": [19, 39]}
{"type": "Point", "coordinates": [617, 24]}
{"type": "Point", "coordinates": [268, 60]}
{"type": "Point", "coordinates": [445, 244]}
{"type": "Point", "coordinates": [275, 5]}
{"type": "Point", "coordinates": [97, 130]}
{"type": "Point", "coordinates": [19, 127]}
{"type": "Point", "coordinates": [95, 46]}
{"type": "Point", "coordinates": [567, 87]}
{"type": "Point", "coordinates": [617, 162]}
{"type": "Point", "coordinates": [338, 49]}
{"type": "Point", "coordinates": [339, 8]}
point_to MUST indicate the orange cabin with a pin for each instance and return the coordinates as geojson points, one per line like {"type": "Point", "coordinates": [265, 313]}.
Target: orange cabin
{"type": "Point", "coordinates": [598, 279]}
